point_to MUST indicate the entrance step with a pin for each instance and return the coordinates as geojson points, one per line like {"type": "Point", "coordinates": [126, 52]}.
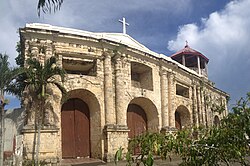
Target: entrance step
{"type": "Point", "coordinates": [81, 162]}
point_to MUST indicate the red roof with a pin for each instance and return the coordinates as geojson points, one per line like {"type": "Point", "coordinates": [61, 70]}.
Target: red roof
{"type": "Point", "coordinates": [189, 51]}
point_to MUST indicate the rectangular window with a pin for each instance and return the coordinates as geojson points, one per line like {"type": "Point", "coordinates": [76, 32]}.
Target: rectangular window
{"type": "Point", "coordinates": [141, 76]}
{"type": "Point", "coordinates": [79, 66]}
{"type": "Point", "coordinates": [182, 91]}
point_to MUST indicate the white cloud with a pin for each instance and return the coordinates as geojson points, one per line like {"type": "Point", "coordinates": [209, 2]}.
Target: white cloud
{"type": "Point", "coordinates": [88, 15]}
{"type": "Point", "coordinates": [224, 38]}
{"type": "Point", "coordinates": [92, 15]}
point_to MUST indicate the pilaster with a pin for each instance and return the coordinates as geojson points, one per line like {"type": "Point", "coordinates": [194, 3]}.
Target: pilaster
{"type": "Point", "coordinates": [224, 102]}
{"type": "Point", "coordinates": [199, 64]}
{"type": "Point", "coordinates": [199, 105]}
{"type": "Point", "coordinates": [164, 98]}
{"type": "Point", "coordinates": [171, 96]}
{"type": "Point", "coordinates": [115, 130]}
{"type": "Point", "coordinates": [208, 111]}
{"type": "Point", "coordinates": [203, 108]}
{"type": "Point", "coordinates": [108, 90]}
{"type": "Point", "coordinates": [191, 108]}
{"type": "Point", "coordinates": [120, 89]}
{"type": "Point", "coordinates": [195, 111]}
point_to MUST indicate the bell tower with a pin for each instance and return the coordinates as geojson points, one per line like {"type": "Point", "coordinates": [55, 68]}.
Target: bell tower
{"type": "Point", "coordinates": [192, 59]}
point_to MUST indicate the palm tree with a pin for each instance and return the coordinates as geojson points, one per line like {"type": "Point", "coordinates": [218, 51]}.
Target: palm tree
{"type": "Point", "coordinates": [48, 6]}
{"type": "Point", "coordinates": [7, 75]}
{"type": "Point", "coordinates": [38, 77]}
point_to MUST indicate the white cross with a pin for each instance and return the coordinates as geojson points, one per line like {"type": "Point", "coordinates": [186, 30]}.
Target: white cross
{"type": "Point", "coordinates": [124, 23]}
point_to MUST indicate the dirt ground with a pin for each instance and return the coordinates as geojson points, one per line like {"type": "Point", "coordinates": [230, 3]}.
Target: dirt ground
{"type": "Point", "coordinates": [157, 162]}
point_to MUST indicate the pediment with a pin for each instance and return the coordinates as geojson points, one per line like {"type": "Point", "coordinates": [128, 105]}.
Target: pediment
{"type": "Point", "coordinates": [124, 39]}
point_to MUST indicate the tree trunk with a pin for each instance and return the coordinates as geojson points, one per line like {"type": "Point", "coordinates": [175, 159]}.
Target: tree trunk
{"type": "Point", "coordinates": [38, 143]}
{"type": "Point", "coordinates": [2, 128]}
{"type": "Point", "coordinates": [34, 141]}
{"type": "Point", "coordinates": [39, 127]}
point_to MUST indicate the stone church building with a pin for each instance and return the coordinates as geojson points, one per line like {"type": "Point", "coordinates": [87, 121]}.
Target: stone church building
{"type": "Point", "coordinates": [117, 89]}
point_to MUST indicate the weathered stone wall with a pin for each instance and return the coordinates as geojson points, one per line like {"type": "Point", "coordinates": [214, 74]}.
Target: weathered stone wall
{"type": "Point", "coordinates": [115, 137]}
{"type": "Point", "coordinates": [14, 121]}
{"type": "Point", "coordinates": [49, 144]}
{"type": "Point", "coordinates": [109, 88]}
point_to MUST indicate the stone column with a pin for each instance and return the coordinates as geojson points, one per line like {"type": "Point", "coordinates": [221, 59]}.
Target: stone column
{"type": "Point", "coordinates": [199, 64]}
{"type": "Point", "coordinates": [171, 104]}
{"type": "Point", "coordinates": [206, 69]}
{"type": "Point", "coordinates": [34, 49]}
{"type": "Point", "coordinates": [203, 108]}
{"type": "Point", "coordinates": [209, 123]}
{"type": "Point", "coordinates": [224, 102]}
{"type": "Point", "coordinates": [195, 112]}
{"type": "Point", "coordinates": [108, 90]}
{"type": "Point", "coordinates": [120, 89]}
{"type": "Point", "coordinates": [164, 99]}
{"type": "Point", "coordinates": [60, 60]}
{"type": "Point", "coordinates": [116, 130]}
{"type": "Point", "coordinates": [208, 110]}
{"type": "Point", "coordinates": [191, 109]}
{"type": "Point", "coordinates": [48, 50]}
{"type": "Point", "coordinates": [199, 105]}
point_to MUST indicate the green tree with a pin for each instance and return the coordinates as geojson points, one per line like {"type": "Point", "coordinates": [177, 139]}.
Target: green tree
{"type": "Point", "coordinates": [37, 79]}
{"type": "Point", "coordinates": [17, 87]}
{"type": "Point", "coordinates": [7, 75]}
{"type": "Point", "coordinates": [226, 143]}
{"type": "Point", "coordinates": [46, 6]}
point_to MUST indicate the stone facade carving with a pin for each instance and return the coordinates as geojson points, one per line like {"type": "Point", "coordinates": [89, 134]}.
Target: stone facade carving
{"type": "Point", "coordinates": [108, 72]}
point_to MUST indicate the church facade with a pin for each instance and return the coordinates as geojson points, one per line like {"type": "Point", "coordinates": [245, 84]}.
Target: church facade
{"type": "Point", "coordinates": [117, 89]}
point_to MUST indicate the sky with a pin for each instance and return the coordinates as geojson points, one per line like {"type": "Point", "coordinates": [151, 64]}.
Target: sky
{"type": "Point", "coordinates": [220, 29]}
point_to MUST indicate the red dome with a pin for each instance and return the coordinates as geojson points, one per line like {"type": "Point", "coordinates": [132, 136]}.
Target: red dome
{"type": "Point", "coordinates": [188, 51]}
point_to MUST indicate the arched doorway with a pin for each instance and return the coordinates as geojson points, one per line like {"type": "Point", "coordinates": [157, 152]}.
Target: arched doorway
{"type": "Point", "coordinates": [75, 124]}
{"type": "Point", "coordinates": [182, 117]}
{"type": "Point", "coordinates": [177, 120]}
{"type": "Point", "coordinates": [150, 112]}
{"type": "Point", "coordinates": [216, 120]}
{"type": "Point", "coordinates": [136, 120]}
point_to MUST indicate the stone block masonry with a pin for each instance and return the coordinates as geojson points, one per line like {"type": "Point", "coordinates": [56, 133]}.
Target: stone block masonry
{"type": "Point", "coordinates": [109, 72]}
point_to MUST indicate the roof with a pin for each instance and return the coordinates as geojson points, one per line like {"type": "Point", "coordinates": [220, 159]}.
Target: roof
{"type": "Point", "coordinates": [189, 51]}
{"type": "Point", "coordinates": [116, 37]}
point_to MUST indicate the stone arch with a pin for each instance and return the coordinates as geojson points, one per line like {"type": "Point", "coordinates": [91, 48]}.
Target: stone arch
{"type": "Point", "coordinates": [150, 110]}
{"type": "Point", "coordinates": [216, 120]}
{"type": "Point", "coordinates": [182, 117]}
{"type": "Point", "coordinates": [95, 118]}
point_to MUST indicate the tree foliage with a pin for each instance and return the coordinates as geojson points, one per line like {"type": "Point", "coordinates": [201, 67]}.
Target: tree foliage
{"type": "Point", "coordinates": [38, 76]}
{"type": "Point", "coordinates": [47, 6]}
{"type": "Point", "coordinates": [17, 86]}
{"type": "Point", "coordinates": [226, 143]}
{"type": "Point", "coordinates": [7, 75]}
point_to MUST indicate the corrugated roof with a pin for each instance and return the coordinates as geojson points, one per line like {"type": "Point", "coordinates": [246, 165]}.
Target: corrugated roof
{"type": "Point", "coordinates": [189, 51]}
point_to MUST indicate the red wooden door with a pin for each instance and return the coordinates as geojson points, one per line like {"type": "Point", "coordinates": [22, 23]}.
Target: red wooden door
{"type": "Point", "coordinates": [177, 121]}
{"type": "Point", "coordinates": [68, 132]}
{"type": "Point", "coordinates": [75, 129]}
{"type": "Point", "coordinates": [136, 120]}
